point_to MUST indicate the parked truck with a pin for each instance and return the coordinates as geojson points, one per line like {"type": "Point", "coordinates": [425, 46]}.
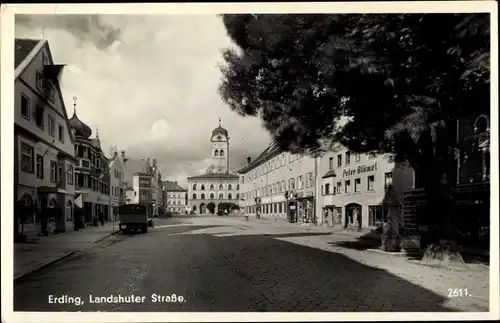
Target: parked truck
{"type": "Point", "coordinates": [133, 217]}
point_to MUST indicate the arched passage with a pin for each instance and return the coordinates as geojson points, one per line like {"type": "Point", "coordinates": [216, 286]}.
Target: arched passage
{"type": "Point", "coordinates": [353, 216]}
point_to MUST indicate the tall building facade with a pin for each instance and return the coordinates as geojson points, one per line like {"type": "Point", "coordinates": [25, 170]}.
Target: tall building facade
{"type": "Point", "coordinates": [44, 158]}
{"type": "Point", "coordinates": [217, 187]}
{"type": "Point", "coordinates": [117, 164]}
{"type": "Point", "coordinates": [281, 185]}
{"type": "Point", "coordinates": [92, 176]}
{"type": "Point", "coordinates": [175, 197]}
{"type": "Point", "coordinates": [140, 188]}
{"type": "Point", "coordinates": [359, 191]}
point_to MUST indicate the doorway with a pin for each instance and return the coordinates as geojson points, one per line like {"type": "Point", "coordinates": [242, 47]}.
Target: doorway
{"type": "Point", "coordinates": [353, 216]}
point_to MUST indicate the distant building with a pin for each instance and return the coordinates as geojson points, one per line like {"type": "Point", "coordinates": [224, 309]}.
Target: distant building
{"type": "Point", "coordinates": [281, 185]}
{"type": "Point", "coordinates": [92, 176]}
{"type": "Point", "coordinates": [175, 200]}
{"type": "Point", "coordinates": [358, 191]}
{"type": "Point", "coordinates": [217, 185]}
{"type": "Point", "coordinates": [44, 153]}
{"type": "Point", "coordinates": [117, 183]}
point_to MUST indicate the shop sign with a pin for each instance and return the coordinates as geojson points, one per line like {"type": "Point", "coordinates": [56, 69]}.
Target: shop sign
{"type": "Point", "coordinates": [359, 170]}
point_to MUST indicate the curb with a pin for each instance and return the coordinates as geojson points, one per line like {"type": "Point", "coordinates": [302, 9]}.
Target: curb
{"type": "Point", "coordinates": [45, 265]}
{"type": "Point", "coordinates": [105, 236]}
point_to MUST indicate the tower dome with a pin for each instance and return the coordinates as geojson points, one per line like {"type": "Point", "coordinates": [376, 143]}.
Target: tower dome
{"type": "Point", "coordinates": [80, 128]}
{"type": "Point", "coordinates": [220, 130]}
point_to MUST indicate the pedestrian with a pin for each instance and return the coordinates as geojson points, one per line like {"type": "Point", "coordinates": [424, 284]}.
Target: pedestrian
{"type": "Point", "coordinates": [101, 218]}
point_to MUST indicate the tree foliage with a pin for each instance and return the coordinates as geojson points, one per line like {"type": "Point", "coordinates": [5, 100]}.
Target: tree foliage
{"type": "Point", "coordinates": [374, 82]}
{"type": "Point", "coordinates": [380, 72]}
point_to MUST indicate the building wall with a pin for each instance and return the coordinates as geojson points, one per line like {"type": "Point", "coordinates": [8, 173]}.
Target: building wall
{"type": "Point", "coordinates": [270, 181]}
{"type": "Point", "coordinates": [117, 184]}
{"type": "Point", "coordinates": [26, 85]}
{"type": "Point", "coordinates": [375, 175]}
{"type": "Point", "coordinates": [176, 201]}
{"type": "Point", "coordinates": [230, 188]}
{"type": "Point", "coordinates": [43, 141]}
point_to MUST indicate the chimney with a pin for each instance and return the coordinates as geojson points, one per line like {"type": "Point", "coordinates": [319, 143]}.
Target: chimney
{"type": "Point", "coordinates": [249, 160]}
{"type": "Point", "coordinates": [175, 182]}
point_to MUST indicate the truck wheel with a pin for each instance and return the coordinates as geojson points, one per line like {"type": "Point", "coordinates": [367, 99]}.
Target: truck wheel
{"type": "Point", "coordinates": [145, 229]}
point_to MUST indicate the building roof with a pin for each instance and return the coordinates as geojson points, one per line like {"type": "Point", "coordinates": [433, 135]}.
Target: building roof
{"type": "Point", "coordinates": [272, 150]}
{"type": "Point", "coordinates": [173, 187]}
{"type": "Point", "coordinates": [330, 173]}
{"type": "Point", "coordinates": [23, 48]}
{"type": "Point", "coordinates": [215, 176]}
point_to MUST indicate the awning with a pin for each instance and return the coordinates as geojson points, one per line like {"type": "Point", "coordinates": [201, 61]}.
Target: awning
{"type": "Point", "coordinates": [330, 173]}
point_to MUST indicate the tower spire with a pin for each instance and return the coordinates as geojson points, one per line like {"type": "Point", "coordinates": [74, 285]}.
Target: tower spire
{"type": "Point", "coordinates": [97, 131]}
{"type": "Point", "coordinates": [74, 105]}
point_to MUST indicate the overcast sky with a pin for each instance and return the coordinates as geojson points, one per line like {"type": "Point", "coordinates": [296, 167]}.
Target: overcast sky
{"type": "Point", "coordinates": [149, 83]}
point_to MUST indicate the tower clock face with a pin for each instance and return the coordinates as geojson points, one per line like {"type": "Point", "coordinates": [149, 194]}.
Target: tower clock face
{"type": "Point", "coordinates": [219, 137]}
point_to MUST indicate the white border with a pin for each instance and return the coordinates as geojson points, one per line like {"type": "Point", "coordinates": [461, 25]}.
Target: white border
{"type": "Point", "coordinates": [7, 130]}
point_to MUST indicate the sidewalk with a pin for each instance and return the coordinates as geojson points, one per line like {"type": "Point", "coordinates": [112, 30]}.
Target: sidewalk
{"type": "Point", "coordinates": [45, 251]}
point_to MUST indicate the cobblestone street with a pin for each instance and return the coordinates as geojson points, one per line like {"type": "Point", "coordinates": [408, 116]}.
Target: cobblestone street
{"type": "Point", "coordinates": [227, 264]}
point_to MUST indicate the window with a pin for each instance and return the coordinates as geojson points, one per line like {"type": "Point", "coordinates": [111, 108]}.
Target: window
{"type": "Point", "coordinates": [45, 59]}
{"type": "Point", "coordinates": [347, 186]}
{"type": "Point", "coordinates": [221, 196]}
{"type": "Point", "coordinates": [300, 182]}
{"type": "Point", "coordinates": [388, 180]}
{"type": "Point", "coordinates": [229, 196]}
{"type": "Point", "coordinates": [52, 93]}
{"type": "Point", "coordinates": [327, 189]}
{"type": "Point", "coordinates": [53, 171]}
{"type": "Point", "coordinates": [339, 160]}
{"type": "Point", "coordinates": [348, 158]}
{"type": "Point", "coordinates": [194, 196]}
{"type": "Point", "coordinates": [221, 186]}
{"type": "Point", "coordinates": [202, 196]}
{"type": "Point", "coordinates": [52, 126]}
{"type": "Point", "coordinates": [291, 183]}
{"type": "Point", "coordinates": [39, 166]}
{"type": "Point", "coordinates": [202, 187]}
{"type": "Point", "coordinates": [216, 153]}
{"type": "Point", "coordinates": [61, 133]}
{"type": "Point", "coordinates": [229, 187]}
{"type": "Point", "coordinates": [331, 163]}
{"type": "Point", "coordinates": [358, 157]}
{"type": "Point", "coordinates": [237, 196]}
{"type": "Point", "coordinates": [357, 184]}
{"type": "Point", "coordinates": [39, 81]}
{"type": "Point", "coordinates": [310, 179]}
{"type": "Point", "coordinates": [27, 162]}
{"type": "Point", "coordinates": [212, 196]}
{"type": "Point", "coordinates": [70, 175]}
{"type": "Point", "coordinates": [194, 187]}
{"type": "Point", "coordinates": [39, 116]}
{"type": "Point", "coordinates": [371, 181]}
{"type": "Point", "coordinates": [211, 186]}
{"type": "Point", "coordinates": [374, 215]}
{"type": "Point", "coordinates": [221, 153]}
{"type": "Point", "coordinates": [25, 106]}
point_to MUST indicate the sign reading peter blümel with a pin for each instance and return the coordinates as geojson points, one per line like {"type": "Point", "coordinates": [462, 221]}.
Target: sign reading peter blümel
{"type": "Point", "coordinates": [359, 170]}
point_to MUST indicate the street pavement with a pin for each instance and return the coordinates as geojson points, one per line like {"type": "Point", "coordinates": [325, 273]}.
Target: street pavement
{"type": "Point", "coordinates": [227, 264]}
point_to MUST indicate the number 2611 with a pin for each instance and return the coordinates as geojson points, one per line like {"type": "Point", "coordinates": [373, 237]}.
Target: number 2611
{"type": "Point", "coordinates": [458, 292]}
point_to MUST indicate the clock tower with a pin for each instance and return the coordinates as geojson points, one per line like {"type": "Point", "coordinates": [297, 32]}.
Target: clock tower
{"type": "Point", "coordinates": [220, 150]}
